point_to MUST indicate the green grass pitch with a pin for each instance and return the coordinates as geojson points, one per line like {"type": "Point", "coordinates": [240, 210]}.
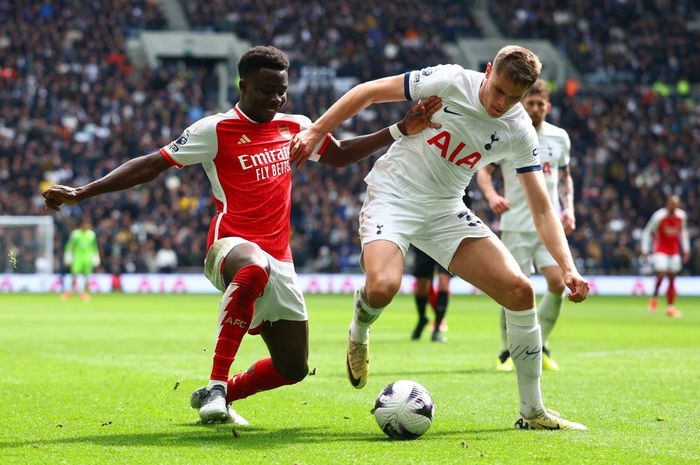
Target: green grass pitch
{"type": "Point", "coordinates": [96, 383]}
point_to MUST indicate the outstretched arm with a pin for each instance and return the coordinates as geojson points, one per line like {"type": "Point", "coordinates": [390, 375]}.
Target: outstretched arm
{"type": "Point", "coordinates": [133, 172]}
{"type": "Point", "coordinates": [550, 230]}
{"type": "Point", "coordinates": [390, 89]}
{"type": "Point", "coordinates": [484, 179]}
{"type": "Point", "coordinates": [348, 151]}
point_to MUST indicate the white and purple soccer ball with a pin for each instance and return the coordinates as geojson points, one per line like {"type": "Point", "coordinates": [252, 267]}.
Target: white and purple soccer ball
{"type": "Point", "coordinates": [404, 410]}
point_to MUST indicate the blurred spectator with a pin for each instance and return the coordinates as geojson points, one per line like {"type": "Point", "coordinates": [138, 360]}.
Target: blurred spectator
{"type": "Point", "coordinates": [641, 41]}
{"type": "Point", "coordinates": [166, 258]}
{"type": "Point", "coordinates": [74, 108]}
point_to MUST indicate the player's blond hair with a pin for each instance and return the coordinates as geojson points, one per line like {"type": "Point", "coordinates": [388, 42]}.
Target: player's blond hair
{"type": "Point", "coordinates": [518, 64]}
{"type": "Point", "coordinates": [540, 88]}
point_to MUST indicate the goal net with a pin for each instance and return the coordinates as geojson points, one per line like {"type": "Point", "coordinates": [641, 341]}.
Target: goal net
{"type": "Point", "coordinates": [26, 244]}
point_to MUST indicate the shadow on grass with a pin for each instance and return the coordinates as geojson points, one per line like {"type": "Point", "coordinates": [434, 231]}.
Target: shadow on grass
{"type": "Point", "coordinates": [244, 438]}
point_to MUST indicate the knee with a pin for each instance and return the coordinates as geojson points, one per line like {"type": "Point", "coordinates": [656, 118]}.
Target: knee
{"type": "Point", "coordinates": [556, 286]}
{"type": "Point", "coordinates": [243, 255]}
{"type": "Point", "coordinates": [381, 290]}
{"type": "Point", "coordinates": [521, 295]}
{"type": "Point", "coordinates": [293, 370]}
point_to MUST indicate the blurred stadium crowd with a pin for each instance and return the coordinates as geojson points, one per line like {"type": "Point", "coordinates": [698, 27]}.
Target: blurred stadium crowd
{"type": "Point", "coordinates": [75, 108]}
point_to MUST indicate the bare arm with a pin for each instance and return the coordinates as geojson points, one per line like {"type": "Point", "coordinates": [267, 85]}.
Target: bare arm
{"type": "Point", "coordinates": [551, 233]}
{"type": "Point", "coordinates": [358, 98]}
{"type": "Point", "coordinates": [135, 171]}
{"type": "Point", "coordinates": [346, 152]}
{"type": "Point", "coordinates": [484, 179]}
{"type": "Point", "coordinates": [566, 194]}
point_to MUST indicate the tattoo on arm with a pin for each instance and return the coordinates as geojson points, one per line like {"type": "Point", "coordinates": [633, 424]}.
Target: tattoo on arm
{"type": "Point", "coordinates": [566, 189]}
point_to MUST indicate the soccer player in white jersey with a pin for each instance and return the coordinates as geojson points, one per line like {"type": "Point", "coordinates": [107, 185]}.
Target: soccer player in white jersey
{"type": "Point", "coordinates": [245, 153]}
{"type": "Point", "coordinates": [518, 232]}
{"type": "Point", "coordinates": [414, 197]}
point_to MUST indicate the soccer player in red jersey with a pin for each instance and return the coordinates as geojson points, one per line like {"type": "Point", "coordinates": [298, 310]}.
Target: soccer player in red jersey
{"type": "Point", "coordinates": [245, 153]}
{"type": "Point", "coordinates": [424, 268]}
{"type": "Point", "coordinates": [669, 228]}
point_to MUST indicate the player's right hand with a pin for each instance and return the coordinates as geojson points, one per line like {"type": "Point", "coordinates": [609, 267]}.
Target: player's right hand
{"type": "Point", "coordinates": [577, 285]}
{"type": "Point", "coordinates": [57, 195]}
{"type": "Point", "coordinates": [302, 146]}
{"type": "Point", "coordinates": [568, 221]}
{"type": "Point", "coordinates": [499, 204]}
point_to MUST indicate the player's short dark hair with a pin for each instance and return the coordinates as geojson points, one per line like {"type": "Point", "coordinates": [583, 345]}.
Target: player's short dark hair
{"type": "Point", "coordinates": [540, 88]}
{"type": "Point", "coordinates": [261, 56]}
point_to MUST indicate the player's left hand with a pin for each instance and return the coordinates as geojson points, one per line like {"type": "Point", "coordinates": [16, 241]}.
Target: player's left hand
{"type": "Point", "coordinates": [568, 221]}
{"type": "Point", "coordinates": [577, 285]}
{"type": "Point", "coordinates": [686, 256]}
{"type": "Point", "coordinates": [57, 195]}
{"type": "Point", "coordinates": [418, 117]}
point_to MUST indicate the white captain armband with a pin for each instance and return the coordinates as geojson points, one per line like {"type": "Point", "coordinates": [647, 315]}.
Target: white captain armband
{"type": "Point", "coordinates": [395, 131]}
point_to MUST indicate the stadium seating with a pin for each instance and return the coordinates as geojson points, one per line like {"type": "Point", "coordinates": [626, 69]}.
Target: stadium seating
{"type": "Point", "coordinates": [639, 41]}
{"type": "Point", "coordinates": [75, 109]}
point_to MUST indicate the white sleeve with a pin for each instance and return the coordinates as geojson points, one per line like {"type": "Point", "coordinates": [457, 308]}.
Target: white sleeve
{"type": "Point", "coordinates": [566, 152]}
{"type": "Point", "coordinates": [197, 144]}
{"type": "Point", "coordinates": [524, 149]}
{"type": "Point", "coordinates": [649, 231]}
{"type": "Point", "coordinates": [420, 84]}
{"type": "Point", "coordinates": [685, 239]}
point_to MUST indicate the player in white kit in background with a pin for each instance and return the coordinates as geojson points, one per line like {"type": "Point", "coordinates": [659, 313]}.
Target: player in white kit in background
{"type": "Point", "coordinates": [518, 231]}
{"type": "Point", "coordinates": [414, 196]}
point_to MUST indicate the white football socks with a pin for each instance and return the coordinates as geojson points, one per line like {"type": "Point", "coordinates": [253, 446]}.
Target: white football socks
{"type": "Point", "coordinates": [526, 352]}
{"type": "Point", "coordinates": [363, 317]}
{"type": "Point", "coordinates": [214, 382]}
{"type": "Point", "coordinates": [548, 313]}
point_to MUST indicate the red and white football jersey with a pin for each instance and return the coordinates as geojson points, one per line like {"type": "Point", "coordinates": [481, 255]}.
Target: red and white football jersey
{"type": "Point", "coordinates": [669, 231]}
{"type": "Point", "coordinates": [248, 167]}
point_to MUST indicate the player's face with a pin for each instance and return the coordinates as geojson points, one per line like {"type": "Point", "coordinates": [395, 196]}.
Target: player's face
{"type": "Point", "coordinates": [537, 107]}
{"type": "Point", "coordinates": [498, 94]}
{"type": "Point", "coordinates": [672, 203]}
{"type": "Point", "coordinates": [263, 94]}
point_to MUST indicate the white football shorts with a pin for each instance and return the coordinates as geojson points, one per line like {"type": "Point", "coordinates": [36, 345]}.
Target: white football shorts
{"type": "Point", "coordinates": [436, 227]}
{"type": "Point", "coordinates": [528, 250]}
{"type": "Point", "coordinates": [282, 298]}
{"type": "Point", "coordinates": [665, 263]}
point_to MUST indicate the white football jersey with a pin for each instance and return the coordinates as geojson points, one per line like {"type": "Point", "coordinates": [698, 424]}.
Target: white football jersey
{"type": "Point", "coordinates": [439, 163]}
{"type": "Point", "coordinates": [555, 148]}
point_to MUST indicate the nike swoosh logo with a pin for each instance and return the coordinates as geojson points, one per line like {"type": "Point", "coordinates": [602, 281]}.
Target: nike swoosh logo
{"type": "Point", "coordinates": [550, 428]}
{"type": "Point", "coordinates": [532, 353]}
{"type": "Point", "coordinates": [354, 381]}
{"type": "Point", "coordinates": [451, 112]}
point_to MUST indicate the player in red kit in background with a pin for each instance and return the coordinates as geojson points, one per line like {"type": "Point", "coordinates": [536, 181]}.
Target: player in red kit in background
{"type": "Point", "coordinates": [669, 228]}
{"type": "Point", "coordinates": [245, 153]}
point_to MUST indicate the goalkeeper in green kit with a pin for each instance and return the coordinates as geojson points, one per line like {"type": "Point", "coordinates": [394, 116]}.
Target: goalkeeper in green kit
{"type": "Point", "coordinates": [81, 255]}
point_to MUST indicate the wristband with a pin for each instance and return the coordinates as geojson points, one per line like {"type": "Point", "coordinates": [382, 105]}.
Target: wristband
{"type": "Point", "coordinates": [395, 131]}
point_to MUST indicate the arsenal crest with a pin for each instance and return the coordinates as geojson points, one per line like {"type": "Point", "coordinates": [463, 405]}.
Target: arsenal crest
{"type": "Point", "coordinates": [284, 131]}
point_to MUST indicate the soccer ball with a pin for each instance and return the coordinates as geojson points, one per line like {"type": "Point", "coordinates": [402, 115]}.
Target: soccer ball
{"type": "Point", "coordinates": [404, 410]}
